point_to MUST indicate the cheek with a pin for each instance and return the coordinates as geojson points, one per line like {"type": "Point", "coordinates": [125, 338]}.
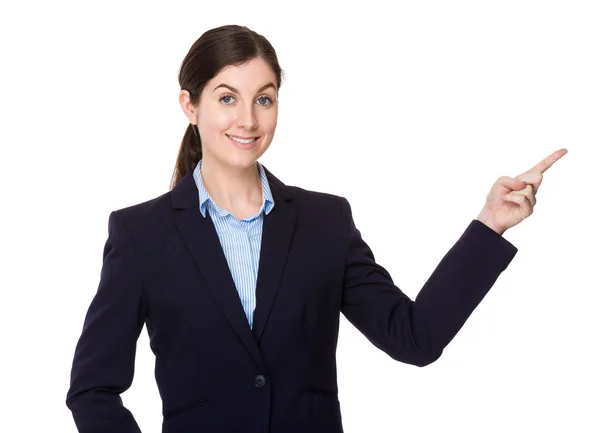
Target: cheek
{"type": "Point", "coordinates": [268, 122]}
{"type": "Point", "coordinates": [218, 122]}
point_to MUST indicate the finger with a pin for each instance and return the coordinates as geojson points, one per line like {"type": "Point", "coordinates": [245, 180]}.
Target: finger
{"type": "Point", "coordinates": [511, 183]}
{"type": "Point", "coordinates": [547, 162]}
{"type": "Point", "coordinates": [522, 201]}
{"type": "Point", "coordinates": [528, 193]}
{"type": "Point", "coordinates": [533, 179]}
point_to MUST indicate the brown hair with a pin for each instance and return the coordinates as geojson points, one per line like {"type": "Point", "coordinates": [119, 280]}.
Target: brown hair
{"type": "Point", "coordinates": [215, 49]}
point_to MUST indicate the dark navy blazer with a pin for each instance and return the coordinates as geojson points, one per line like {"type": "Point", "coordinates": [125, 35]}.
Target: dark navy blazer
{"type": "Point", "coordinates": [163, 265]}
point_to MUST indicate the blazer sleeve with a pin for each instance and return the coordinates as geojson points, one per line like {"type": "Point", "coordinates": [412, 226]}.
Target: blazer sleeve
{"type": "Point", "coordinates": [103, 365]}
{"type": "Point", "coordinates": [416, 332]}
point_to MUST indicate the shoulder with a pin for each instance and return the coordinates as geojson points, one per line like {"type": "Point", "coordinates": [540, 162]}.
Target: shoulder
{"type": "Point", "coordinates": [145, 221]}
{"type": "Point", "coordinates": [307, 197]}
{"type": "Point", "coordinates": [146, 210]}
{"type": "Point", "coordinates": [330, 208]}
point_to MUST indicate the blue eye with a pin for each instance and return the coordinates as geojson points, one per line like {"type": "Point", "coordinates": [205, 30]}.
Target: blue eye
{"type": "Point", "coordinates": [223, 97]}
{"type": "Point", "coordinates": [267, 98]}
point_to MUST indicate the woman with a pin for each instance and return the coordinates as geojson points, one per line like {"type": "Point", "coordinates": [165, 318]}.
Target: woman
{"type": "Point", "coordinates": [248, 345]}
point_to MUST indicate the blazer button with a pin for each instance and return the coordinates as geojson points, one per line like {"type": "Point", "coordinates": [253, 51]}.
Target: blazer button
{"type": "Point", "coordinates": [259, 381]}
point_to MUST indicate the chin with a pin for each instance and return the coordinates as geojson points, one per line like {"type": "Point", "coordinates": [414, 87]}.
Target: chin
{"type": "Point", "coordinates": [242, 161]}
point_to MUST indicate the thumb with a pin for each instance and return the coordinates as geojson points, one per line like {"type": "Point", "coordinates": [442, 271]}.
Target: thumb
{"type": "Point", "coordinates": [512, 183]}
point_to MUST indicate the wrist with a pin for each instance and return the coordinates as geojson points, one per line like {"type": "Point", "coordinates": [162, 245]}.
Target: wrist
{"type": "Point", "coordinates": [488, 222]}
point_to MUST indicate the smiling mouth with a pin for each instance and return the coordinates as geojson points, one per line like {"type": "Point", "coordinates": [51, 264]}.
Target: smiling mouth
{"type": "Point", "coordinates": [243, 140]}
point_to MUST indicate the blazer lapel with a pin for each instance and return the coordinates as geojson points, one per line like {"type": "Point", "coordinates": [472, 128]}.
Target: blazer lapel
{"type": "Point", "coordinates": [278, 228]}
{"type": "Point", "coordinates": [201, 238]}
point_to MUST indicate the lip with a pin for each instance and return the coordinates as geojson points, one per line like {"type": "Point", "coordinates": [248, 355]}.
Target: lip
{"type": "Point", "coordinates": [242, 138]}
{"type": "Point", "coordinates": [243, 146]}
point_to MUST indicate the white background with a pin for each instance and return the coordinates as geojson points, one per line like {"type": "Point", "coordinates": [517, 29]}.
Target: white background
{"type": "Point", "coordinates": [411, 110]}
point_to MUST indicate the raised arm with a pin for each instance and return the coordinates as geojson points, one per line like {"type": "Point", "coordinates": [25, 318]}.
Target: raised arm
{"type": "Point", "coordinates": [416, 332]}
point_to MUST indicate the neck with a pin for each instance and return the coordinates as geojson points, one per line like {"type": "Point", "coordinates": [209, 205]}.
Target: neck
{"type": "Point", "coordinates": [232, 188]}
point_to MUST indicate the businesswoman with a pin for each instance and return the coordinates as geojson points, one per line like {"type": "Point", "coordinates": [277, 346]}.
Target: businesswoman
{"type": "Point", "coordinates": [241, 279]}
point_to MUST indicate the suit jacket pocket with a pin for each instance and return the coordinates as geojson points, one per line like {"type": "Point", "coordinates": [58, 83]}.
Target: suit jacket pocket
{"type": "Point", "coordinates": [323, 412]}
{"type": "Point", "coordinates": [324, 392]}
{"type": "Point", "coordinates": [177, 410]}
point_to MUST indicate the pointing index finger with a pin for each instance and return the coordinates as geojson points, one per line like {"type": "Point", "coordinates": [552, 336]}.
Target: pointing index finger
{"type": "Point", "coordinates": [547, 162]}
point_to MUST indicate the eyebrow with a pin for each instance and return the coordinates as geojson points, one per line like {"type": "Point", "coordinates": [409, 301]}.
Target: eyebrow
{"type": "Point", "coordinates": [233, 89]}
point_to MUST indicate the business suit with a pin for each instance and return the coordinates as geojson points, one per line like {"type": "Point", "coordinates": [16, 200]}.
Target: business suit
{"type": "Point", "coordinates": [163, 266]}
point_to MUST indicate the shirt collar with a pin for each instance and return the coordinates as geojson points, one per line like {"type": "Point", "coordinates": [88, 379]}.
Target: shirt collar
{"type": "Point", "coordinates": [204, 198]}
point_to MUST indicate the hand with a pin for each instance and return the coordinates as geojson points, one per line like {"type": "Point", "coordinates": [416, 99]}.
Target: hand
{"type": "Point", "coordinates": [511, 200]}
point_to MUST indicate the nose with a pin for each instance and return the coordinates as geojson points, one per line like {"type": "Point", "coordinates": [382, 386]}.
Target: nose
{"type": "Point", "coordinates": [247, 117]}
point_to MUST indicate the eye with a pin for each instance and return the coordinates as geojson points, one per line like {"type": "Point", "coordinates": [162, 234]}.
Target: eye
{"type": "Point", "coordinates": [226, 98]}
{"type": "Point", "coordinates": [268, 99]}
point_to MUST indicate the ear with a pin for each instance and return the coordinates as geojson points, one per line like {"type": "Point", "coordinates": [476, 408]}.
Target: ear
{"type": "Point", "coordinates": [186, 105]}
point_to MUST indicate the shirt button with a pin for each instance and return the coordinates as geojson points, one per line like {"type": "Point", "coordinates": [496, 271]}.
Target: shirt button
{"type": "Point", "coordinates": [259, 381]}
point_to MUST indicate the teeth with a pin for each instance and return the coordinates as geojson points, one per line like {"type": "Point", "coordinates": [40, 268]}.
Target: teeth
{"type": "Point", "coordinates": [239, 140]}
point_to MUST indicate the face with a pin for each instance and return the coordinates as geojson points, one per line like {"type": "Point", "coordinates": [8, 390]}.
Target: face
{"type": "Point", "coordinates": [239, 102]}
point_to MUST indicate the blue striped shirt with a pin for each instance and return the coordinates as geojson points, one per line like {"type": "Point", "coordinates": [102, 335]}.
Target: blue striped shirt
{"type": "Point", "coordinates": [240, 239]}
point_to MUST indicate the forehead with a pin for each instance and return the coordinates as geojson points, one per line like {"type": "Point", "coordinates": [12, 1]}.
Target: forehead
{"type": "Point", "coordinates": [248, 76]}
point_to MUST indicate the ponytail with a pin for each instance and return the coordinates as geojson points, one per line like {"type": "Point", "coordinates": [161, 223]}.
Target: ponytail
{"type": "Point", "coordinates": [190, 153]}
